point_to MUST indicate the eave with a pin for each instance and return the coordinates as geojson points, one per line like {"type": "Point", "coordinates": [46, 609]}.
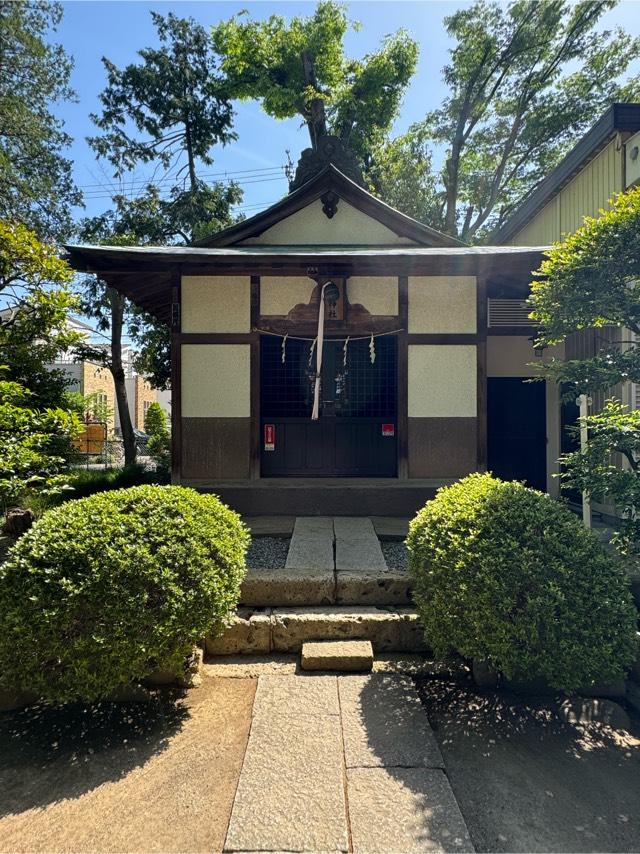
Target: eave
{"type": "Point", "coordinates": [147, 274]}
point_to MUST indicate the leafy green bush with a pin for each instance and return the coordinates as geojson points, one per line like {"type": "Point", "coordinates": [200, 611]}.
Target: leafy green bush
{"type": "Point", "coordinates": [89, 481]}
{"type": "Point", "coordinates": [509, 576]}
{"type": "Point", "coordinates": [111, 588]}
{"type": "Point", "coordinates": [34, 447]}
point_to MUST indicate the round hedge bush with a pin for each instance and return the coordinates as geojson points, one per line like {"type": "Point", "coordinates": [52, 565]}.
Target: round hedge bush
{"type": "Point", "coordinates": [506, 575]}
{"type": "Point", "coordinates": [110, 588]}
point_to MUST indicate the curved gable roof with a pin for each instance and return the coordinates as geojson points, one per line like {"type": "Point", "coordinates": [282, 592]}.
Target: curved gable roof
{"type": "Point", "coordinates": [331, 180]}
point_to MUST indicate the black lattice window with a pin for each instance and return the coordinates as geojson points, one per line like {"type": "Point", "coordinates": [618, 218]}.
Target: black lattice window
{"type": "Point", "coordinates": [358, 389]}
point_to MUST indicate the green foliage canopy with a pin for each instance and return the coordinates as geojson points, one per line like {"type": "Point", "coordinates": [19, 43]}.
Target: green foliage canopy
{"type": "Point", "coordinates": [175, 98]}
{"type": "Point", "coordinates": [525, 80]}
{"type": "Point", "coordinates": [36, 185]}
{"type": "Point", "coordinates": [35, 289]}
{"type": "Point", "coordinates": [299, 68]}
{"type": "Point", "coordinates": [507, 575]}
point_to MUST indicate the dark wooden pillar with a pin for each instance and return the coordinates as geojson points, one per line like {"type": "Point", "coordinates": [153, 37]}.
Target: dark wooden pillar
{"type": "Point", "coordinates": [254, 463]}
{"type": "Point", "coordinates": [403, 377]}
{"type": "Point", "coordinates": [176, 382]}
{"type": "Point", "coordinates": [482, 370]}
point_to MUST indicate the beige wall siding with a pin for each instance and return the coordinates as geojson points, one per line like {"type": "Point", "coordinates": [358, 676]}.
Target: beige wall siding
{"type": "Point", "coordinates": [585, 195]}
{"type": "Point", "coordinates": [216, 303]}
{"type": "Point", "coordinates": [144, 395]}
{"type": "Point", "coordinates": [279, 294]}
{"type": "Point", "coordinates": [514, 356]}
{"type": "Point", "coordinates": [378, 294]}
{"type": "Point", "coordinates": [310, 226]}
{"type": "Point", "coordinates": [98, 380]}
{"type": "Point", "coordinates": [442, 380]}
{"type": "Point", "coordinates": [442, 304]}
{"type": "Point", "coordinates": [215, 380]}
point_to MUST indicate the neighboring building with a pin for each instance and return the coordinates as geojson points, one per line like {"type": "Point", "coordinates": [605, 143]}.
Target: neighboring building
{"type": "Point", "coordinates": [91, 378]}
{"type": "Point", "coordinates": [244, 309]}
{"type": "Point", "coordinates": [606, 161]}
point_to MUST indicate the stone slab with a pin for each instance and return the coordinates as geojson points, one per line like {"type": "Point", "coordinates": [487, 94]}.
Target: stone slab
{"type": "Point", "coordinates": [297, 695]}
{"type": "Point", "coordinates": [375, 588]}
{"type": "Point", "coordinates": [385, 724]}
{"type": "Point", "coordinates": [290, 796]}
{"type": "Point", "coordinates": [404, 809]}
{"type": "Point", "coordinates": [389, 629]}
{"type": "Point", "coordinates": [270, 526]}
{"type": "Point", "coordinates": [249, 632]}
{"type": "Point", "coordinates": [390, 527]}
{"type": "Point", "coordinates": [357, 546]}
{"type": "Point", "coordinates": [287, 586]}
{"type": "Point", "coordinates": [337, 655]}
{"type": "Point", "coordinates": [311, 544]}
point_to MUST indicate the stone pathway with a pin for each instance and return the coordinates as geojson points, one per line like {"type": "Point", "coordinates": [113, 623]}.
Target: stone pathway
{"type": "Point", "coordinates": [344, 764]}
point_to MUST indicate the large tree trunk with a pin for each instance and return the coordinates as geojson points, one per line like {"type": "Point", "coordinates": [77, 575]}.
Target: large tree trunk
{"type": "Point", "coordinates": [117, 370]}
{"type": "Point", "coordinates": [316, 117]}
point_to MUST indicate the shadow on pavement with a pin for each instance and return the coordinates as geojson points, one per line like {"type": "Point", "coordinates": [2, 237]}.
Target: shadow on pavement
{"type": "Point", "coordinates": [527, 781]}
{"type": "Point", "coordinates": [86, 745]}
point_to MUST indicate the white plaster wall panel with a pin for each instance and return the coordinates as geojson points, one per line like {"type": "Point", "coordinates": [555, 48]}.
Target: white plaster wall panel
{"type": "Point", "coordinates": [378, 294]}
{"type": "Point", "coordinates": [216, 303]}
{"type": "Point", "coordinates": [442, 381]}
{"type": "Point", "coordinates": [310, 226]}
{"type": "Point", "coordinates": [514, 356]}
{"type": "Point", "coordinates": [442, 304]}
{"type": "Point", "coordinates": [279, 294]}
{"type": "Point", "coordinates": [216, 381]}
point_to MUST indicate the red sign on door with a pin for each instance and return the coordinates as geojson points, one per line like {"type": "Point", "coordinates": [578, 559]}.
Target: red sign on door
{"type": "Point", "coordinates": [388, 429]}
{"type": "Point", "coordinates": [269, 437]}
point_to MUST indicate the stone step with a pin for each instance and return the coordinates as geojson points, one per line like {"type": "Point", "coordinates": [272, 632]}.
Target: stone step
{"type": "Point", "coordinates": [264, 630]}
{"type": "Point", "coordinates": [287, 586]}
{"type": "Point", "coordinates": [337, 655]}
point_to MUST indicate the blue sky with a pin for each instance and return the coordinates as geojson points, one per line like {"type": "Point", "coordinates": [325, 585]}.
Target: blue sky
{"type": "Point", "coordinates": [117, 29]}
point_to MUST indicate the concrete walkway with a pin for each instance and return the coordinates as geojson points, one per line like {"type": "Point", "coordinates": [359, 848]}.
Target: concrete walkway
{"type": "Point", "coordinates": [343, 763]}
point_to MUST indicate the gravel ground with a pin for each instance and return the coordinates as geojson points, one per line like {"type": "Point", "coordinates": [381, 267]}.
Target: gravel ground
{"type": "Point", "coordinates": [268, 552]}
{"type": "Point", "coordinates": [395, 554]}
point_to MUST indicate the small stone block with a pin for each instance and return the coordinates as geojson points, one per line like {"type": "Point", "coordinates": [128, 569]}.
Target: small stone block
{"type": "Point", "coordinates": [337, 655]}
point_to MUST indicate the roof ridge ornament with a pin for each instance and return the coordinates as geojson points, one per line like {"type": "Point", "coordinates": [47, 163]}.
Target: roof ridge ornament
{"type": "Point", "coordinates": [329, 149]}
{"type": "Point", "coordinates": [329, 203]}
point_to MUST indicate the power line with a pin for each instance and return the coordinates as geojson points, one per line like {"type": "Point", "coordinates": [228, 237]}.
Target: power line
{"type": "Point", "coordinates": [105, 194]}
{"type": "Point", "coordinates": [171, 179]}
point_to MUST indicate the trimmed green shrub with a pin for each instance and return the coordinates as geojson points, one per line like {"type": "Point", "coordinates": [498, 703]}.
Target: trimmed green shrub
{"type": "Point", "coordinates": [110, 588]}
{"type": "Point", "coordinates": [507, 575]}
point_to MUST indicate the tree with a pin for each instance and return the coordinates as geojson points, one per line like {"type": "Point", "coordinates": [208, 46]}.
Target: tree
{"type": "Point", "coordinates": [159, 444]}
{"type": "Point", "coordinates": [36, 184]}
{"type": "Point", "coordinates": [175, 99]}
{"type": "Point", "coordinates": [589, 281]}
{"type": "Point", "coordinates": [402, 174]}
{"type": "Point", "coordinates": [34, 446]}
{"type": "Point", "coordinates": [298, 68]}
{"type": "Point", "coordinates": [35, 290]}
{"type": "Point", "coordinates": [178, 104]}
{"type": "Point", "coordinates": [525, 80]}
